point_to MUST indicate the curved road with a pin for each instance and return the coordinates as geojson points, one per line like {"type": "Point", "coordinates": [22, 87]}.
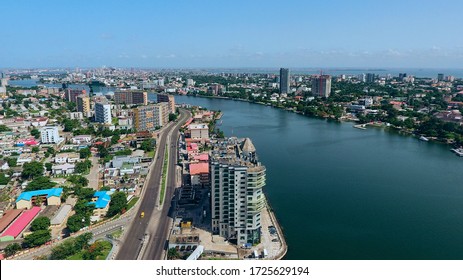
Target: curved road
{"type": "Point", "coordinates": [156, 222]}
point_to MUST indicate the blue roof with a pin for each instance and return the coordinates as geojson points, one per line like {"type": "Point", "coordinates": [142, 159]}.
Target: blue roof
{"type": "Point", "coordinates": [103, 199]}
{"type": "Point", "coordinates": [48, 192]}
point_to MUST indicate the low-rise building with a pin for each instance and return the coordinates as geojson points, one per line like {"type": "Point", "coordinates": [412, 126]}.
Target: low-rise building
{"type": "Point", "coordinates": [101, 201]}
{"type": "Point", "coordinates": [63, 169]}
{"type": "Point", "coordinates": [27, 199]}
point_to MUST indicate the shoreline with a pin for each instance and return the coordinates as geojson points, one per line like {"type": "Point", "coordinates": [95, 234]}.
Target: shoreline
{"type": "Point", "coordinates": [329, 118]}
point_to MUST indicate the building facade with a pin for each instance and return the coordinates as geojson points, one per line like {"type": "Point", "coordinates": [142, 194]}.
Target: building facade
{"type": "Point", "coordinates": [237, 199]}
{"type": "Point", "coordinates": [71, 94]}
{"type": "Point", "coordinates": [131, 97]}
{"type": "Point", "coordinates": [49, 135]}
{"type": "Point", "coordinates": [284, 80]}
{"type": "Point", "coordinates": [103, 113]}
{"type": "Point", "coordinates": [150, 117]}
{"type": "Point", "coordinates": [169, 99]}
{"type": "Point", "coordinates": [83, 104]}
{"type": "Point", "coordinates": [321, 85]}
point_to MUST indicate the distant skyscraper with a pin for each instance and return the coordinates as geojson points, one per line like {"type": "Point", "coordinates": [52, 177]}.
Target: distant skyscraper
{"type": "Point", "coordinates": [284, 80]}
{"type": "Point", "coordinates": [370, 78]}
{"type": "Point", "coordinates": [402, 75]}
{"type": "Point", "coordinates": [131, 97]}
{"type": "Point", "coordinates": [321, 85]}
{"type": "Point", "coordinates": [440, 77]}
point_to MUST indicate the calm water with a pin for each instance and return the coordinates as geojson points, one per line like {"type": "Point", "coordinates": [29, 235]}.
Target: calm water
{"type": "Point", "coordinates": [345, 193]}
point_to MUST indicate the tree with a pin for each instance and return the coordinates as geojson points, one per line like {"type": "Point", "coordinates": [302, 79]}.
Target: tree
{"type": "Point", "coordinates": [83, 166]}
{"type": "Point", "coordinates": [37, 238]}
{"type": "Point", "coordinates": [78, 181]}
{"type": "Point", "coordinates": [36, 133]}
{"type": "Point", "coordinates": [40, 183]}
{"type": "Point", "coordinates": [81, 241]}
{"type": "Point", "coordinates": [148, 145]}
{"type": "Point", "coordinates": [172, 117]}
{"type": "Point", "coordinates": [115, 139]}
{"type": "Point", "coordinates": [76, 222]}
{"type": "Point", "coordinates": [117, 204]}
{"type": "Point", "coordinates": [3, 179]}
{"type": "Point", "coordinates": [84, 153]}
{"type": "Point", "coordinates": [12, 248]}
{"type": "Point", "coordinates": [41, 223]}
{"type": "Point", "coordinates": [173, 254]}
{"type": "Point", "coordinates": [12, 161]}
{"type": "Point", "coordinates": [4, 128]}
{"type": "Point", "coordinates": [48, 166]}
{"type": "Point", "coordinates": [64, 250]}
{"type": "Point", "coordinates": [32, 169]}
{"type": "Point", "coordinates": [93, 251]}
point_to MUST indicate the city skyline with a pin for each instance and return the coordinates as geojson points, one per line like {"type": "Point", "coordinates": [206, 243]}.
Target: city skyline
{"type": "Point", "coordinates": [210, 34]}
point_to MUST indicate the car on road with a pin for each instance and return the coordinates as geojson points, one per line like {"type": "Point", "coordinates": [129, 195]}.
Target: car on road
{"type": "Point", "coordinates": [142, 214]}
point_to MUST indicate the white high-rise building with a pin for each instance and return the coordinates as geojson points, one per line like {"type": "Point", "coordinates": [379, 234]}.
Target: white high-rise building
{"type": "Point", "coordinates": [237, 199]}
{"type": "Point", "coordinates": [103, 112]}
{"type": "Point", "coordinates": [49, 135]}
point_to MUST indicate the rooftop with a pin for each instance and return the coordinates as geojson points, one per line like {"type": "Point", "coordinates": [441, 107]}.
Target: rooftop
{"type": "Point", "coordinates": [47, 192]}
{"type": "Point", "coordinates": [199, 168]}
{"type": "Point", "coordinates": [102, 199]}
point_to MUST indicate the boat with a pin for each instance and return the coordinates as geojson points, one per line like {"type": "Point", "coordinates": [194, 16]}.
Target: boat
{"type": "Point", "coordinates": [458, 151]}
{"type": "Point", "coordinates": [422, 138]}
{"type": "Point", "coordinates": [360, 126]}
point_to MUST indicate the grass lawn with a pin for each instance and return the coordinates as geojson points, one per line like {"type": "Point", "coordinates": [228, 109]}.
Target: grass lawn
{"type": "Point", "coordinates": [106, 248]}
{"type": "Point", "coordinates": [150, 154]}
{"type": "Point", "coordinates": [164, 175]}
{"type": "Point", "coordinates": [132, 202]}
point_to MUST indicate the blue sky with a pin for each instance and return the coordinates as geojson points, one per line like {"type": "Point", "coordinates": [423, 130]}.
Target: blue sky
{"type": "Point", "coordinates": [235, 33]}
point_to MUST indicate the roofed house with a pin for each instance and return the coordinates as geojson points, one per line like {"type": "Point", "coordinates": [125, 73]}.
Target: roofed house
{"type": "Point", "coordinates": [101, 201]}
{"type": "Point", "coordinates": [63, 169]}
{"type": "Point", "coordinates": [51, 196]}
{"type": "Point", "coordinates": [199, 173]}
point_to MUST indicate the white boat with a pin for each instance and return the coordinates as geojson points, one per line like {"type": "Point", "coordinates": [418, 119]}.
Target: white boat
{"type": "Point", "coordinates": [422, 138]}
{"type": "Point", "coordinates": [458, 151]}
{"type": "Point", "coordinates": [360, 126]}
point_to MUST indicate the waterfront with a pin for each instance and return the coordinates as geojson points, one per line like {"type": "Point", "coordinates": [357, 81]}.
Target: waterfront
{"type": "Point", "coordinates": [345, 193]}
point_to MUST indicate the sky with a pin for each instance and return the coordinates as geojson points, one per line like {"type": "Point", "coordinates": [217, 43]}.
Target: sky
{"type": "Point", "coordinates": [215, 33]}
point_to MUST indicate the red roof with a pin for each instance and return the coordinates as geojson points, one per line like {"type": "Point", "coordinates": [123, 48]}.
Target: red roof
{"type": "Point", "coordinates": [188, 122]}
{"type": "Point", "coordinates": [192, 147]}
{"type": "Point", "coordinates": [20, 224]}
{"type": "Point", "coordinates": [201, 157]}
{"type": "Point", "coordinates": [199, 168]}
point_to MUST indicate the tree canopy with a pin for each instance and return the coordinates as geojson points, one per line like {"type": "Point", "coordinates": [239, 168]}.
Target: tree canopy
{"type": "Point", "coordinates": [40, 183]}
{"type": "Point", "coordinates": [32, 169]}
{"type": "Point", "coordinates": [41, 223]}
{"type": "Point", "coordinates": [117, 204]}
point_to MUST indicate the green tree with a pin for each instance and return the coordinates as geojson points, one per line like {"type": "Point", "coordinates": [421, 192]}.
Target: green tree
{"type": "Point", "coordinates": [172, 117]}
{"type": "Point", "coordinates": [85, 153]}
{"type": "Point", "coordinates": [76, 222]}
{"type": "Point", "coordinates": [148, 145]}
{"type": "Point", "coordinates": [83, 166]}
{"type": "Point", "coordinates": [36, 238]}
{"type": "Point", "coordinates": [115, 139]}
{"type": "Point", "coordinates": [36, 133]}
{"type": "Point", "coordinates": [78, 181]}
{"type": "Point", "coordinates": [41, 223]}
{"type": "Point", "coordinates": [64, 250]}
{"type": "Point", "coordinates": [12, 248]}
{"type": "Point", "coordinates": [173, 254]}
{"type": "Point", "coordinates": [40, 183]}
{"type": "Point", "coordinates": [4, 128]}
{"type": "Point", "coordinates": [35, 149]}
{"type": "Point", "coordinates": [3, 179]}
{"type": "Point", "coordinates": [81, 241]}
{"type": "Point", "coordinates": [93, 251]}
{"type": "Point", "coordinates": [32, 169]}
{"type": "Point", "coordinates": [48, 166]}
{"type": "Point", "coordinates": [117, 204]}
{"type": "Point", "coordinates": [12, 161]}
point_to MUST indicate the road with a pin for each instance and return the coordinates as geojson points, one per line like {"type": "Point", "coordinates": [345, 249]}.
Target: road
{"type": "Point", "coordinates": [156, 222]}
